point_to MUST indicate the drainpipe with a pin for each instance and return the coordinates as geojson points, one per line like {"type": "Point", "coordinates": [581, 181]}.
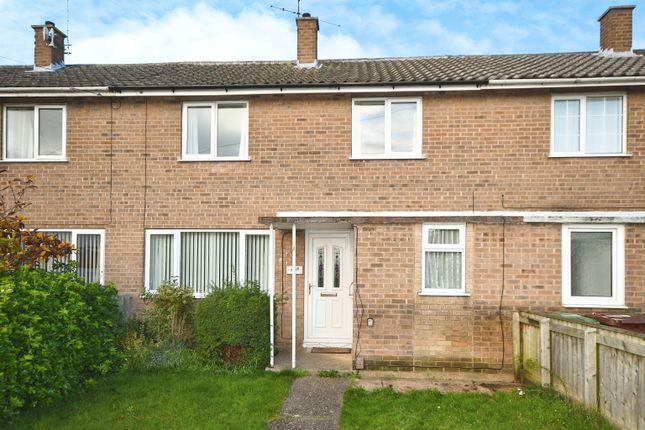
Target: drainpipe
{"type": "Point", "coordinates": [271, 292]}
{"type": "Point", "coordinates": [293, 295]}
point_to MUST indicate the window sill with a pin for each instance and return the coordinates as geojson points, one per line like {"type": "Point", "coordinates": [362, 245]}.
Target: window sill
{"type": "Point", "coordinates": [388, 158]}
{"type": "Point", "coordinates": [36, 160]}
{"type": "Point", "coordinates": [445, 294]}
{"type": "Point", "coordinates": [208, 160]}
{"type": "Point", "coordinates": [597, 306]}
{"type": "Point", "coordinates": [551, 155]}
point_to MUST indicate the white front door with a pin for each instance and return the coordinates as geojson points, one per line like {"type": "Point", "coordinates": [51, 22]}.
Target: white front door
{"type": "Point", "coordinates": [328, 290]}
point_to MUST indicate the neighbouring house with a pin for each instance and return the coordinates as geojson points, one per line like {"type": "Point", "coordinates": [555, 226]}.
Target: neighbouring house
{"type": "Point", "coordinates": [429, 196]}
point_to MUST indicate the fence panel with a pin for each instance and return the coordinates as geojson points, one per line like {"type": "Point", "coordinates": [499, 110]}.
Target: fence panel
{"type": "Point", "coordinates": [602, 366]}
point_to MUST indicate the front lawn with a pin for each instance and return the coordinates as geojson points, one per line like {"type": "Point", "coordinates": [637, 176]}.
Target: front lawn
{"type": "Point", "coordinates": [166, 400]}
{"type": "Point", "coordinates": [429, 409]}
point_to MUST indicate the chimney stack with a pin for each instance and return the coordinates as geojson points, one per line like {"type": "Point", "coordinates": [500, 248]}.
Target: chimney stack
{"type": "Point", "coordinates": [307, 40]}
{"type": "Point", "coordinates": [49, 46]}
{"type": "Point", "coordinates": [616, 29]}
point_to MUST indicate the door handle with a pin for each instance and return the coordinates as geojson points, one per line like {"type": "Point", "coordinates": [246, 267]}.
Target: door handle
{"type": "Point", "coordinates": [310, 287]}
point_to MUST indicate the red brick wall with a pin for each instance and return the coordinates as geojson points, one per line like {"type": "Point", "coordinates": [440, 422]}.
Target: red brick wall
{"type": "Point", "coordinates": [123, 174]}
{"type": "Point", "coordinates": [616, 29]}
{"type": "Point", "coordinates": [307, 40]}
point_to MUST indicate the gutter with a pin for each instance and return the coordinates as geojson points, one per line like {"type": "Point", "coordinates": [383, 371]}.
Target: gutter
{"type": "Point", "coordinates": [314, 88]}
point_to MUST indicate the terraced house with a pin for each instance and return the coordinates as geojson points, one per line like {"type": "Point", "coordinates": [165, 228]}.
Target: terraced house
{"type": "Point", "coordinates": [400, 207]}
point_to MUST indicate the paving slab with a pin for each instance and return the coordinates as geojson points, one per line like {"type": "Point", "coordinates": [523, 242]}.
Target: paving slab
{"type": "Point", "coordinates": [313, 403]}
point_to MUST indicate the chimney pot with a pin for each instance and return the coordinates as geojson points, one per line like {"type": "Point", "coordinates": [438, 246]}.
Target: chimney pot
{"type": "Point", "coordinates": [307, 40]}
{"type": "Point", "coordinates": [48, 55]}
{"type": "Point", "coordinates": [616, 29]}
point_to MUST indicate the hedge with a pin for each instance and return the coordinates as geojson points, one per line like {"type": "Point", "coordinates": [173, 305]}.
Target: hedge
{"type": "Point", "coordinates": [55, 333]}
{"type": "Point", "coordinates": [232, 327]}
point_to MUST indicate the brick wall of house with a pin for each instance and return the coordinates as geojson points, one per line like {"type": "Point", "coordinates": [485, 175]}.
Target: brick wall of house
{"type": "Point", "coordinates": [124, 175]}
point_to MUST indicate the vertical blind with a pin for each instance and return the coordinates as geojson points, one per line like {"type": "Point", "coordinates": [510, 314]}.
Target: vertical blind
{"type": "Point", "coordinates": [88, 257]}
{"type": "Point", "coordinates": [208, 259]}
{"type": "Point", "coordinates": [161, 258]}
{"type": "Point", "coordinates": [88, 254]}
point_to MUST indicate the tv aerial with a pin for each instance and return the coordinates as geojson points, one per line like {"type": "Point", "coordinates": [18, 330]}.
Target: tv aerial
{"type": "Point", "coordinates": [298, 14]}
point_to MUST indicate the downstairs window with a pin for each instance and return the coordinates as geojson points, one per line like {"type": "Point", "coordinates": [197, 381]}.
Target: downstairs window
{"type": "Point", "coordinates": [593, 265]}
{"type": "Point", "coordinates": [89, 255]}
{"type": "Point", "coordinates": [207, 259]}
{"type": "Point", "coordinates": [444, 260]}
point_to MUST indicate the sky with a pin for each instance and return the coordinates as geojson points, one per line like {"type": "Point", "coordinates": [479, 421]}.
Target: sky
{"type": "Point", "coordinates": [136, 31]}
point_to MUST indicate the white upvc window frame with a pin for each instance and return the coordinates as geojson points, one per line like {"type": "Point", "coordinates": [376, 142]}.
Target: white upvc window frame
{"type": "Point", "coordinates": [244, 144]}
{"type": "Point", "coordinates": [618, 267]}
{"type": "Point", "coordinates": [460, 247]}
{"type": "Point", "coordinates": [388, 154]}
{"type": "Point", "coordinates": [75, 232]}
{"type": "Point", "coordinates": [36, 157]}
{"type": "Point", "coordinates": [582, 98]}
{"type": "Point", "coordinates": [176, 245]}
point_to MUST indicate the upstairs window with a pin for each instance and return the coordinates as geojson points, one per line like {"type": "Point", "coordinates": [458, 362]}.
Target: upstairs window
{"type": "Point", "coordinates": [34, 133]}
{"type": "Point", "coordinates": [588, 125]}
{"type": "Point", "coordinates": [215, 131]}
{"type": "Point", "coordinates": [386, 128]}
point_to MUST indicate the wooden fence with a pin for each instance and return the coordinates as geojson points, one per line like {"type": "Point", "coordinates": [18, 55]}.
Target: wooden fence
{"type": "Point", "coordinates": [601, 366]}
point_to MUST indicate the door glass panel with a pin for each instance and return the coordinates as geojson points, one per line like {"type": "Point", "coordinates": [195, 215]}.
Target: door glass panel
{"type": "Point", "coordinates": [336, 267]}
{"type": "Point", "coordinates": [321, 267]}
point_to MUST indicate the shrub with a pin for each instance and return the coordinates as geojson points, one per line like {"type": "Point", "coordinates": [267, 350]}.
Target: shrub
{"type": "Point", "coordinates": [232, 327]}
{"type": "Point", "coordinates": [170, 316]}
{"type": "Point", "coordinates": [55, 334]}
{"type": "Point", "coordinates": [160, 337]}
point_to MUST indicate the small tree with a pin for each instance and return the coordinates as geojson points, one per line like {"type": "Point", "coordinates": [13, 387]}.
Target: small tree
{"type": "Point", "coordinates": [20, 246]}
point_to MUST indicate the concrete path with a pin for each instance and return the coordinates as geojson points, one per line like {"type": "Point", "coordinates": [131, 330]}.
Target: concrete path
{"type": "Point", "coordinates": [313, 403]}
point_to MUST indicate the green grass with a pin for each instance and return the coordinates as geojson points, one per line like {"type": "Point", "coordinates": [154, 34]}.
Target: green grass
{"type": "Point", "coordinates": [429, 409]}
{"type": "Point", "coordinates": [166, 400]}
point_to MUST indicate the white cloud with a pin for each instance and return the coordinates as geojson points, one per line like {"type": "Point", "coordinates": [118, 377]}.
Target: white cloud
{"type": "Point", "coordinates": [204, 33]}
{"type": "Point", "coordinates": [453, 42]}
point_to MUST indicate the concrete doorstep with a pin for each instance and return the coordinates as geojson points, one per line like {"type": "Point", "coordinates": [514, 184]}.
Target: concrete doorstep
{"type": "Point", "coordinates": [313, 403]}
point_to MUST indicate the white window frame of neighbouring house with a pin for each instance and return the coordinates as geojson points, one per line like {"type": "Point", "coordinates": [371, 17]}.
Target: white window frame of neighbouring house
{"type": "Point", "coordinates": [616, 277]}
{"type": "Point", "coordinates": [211, 242]}
{"type": "Point", "coordinates": [215, 151]}
{"type": "Point", "coordinates": [358, 147]}
{"type": "Point", "coordinates": [443, 248]}
{"type": "Point", "coordinates": [33, 133]}
{"type": "Point", "coordinates": [74, 240]}
{"type": "Point", "coordinates": [574, 122]}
